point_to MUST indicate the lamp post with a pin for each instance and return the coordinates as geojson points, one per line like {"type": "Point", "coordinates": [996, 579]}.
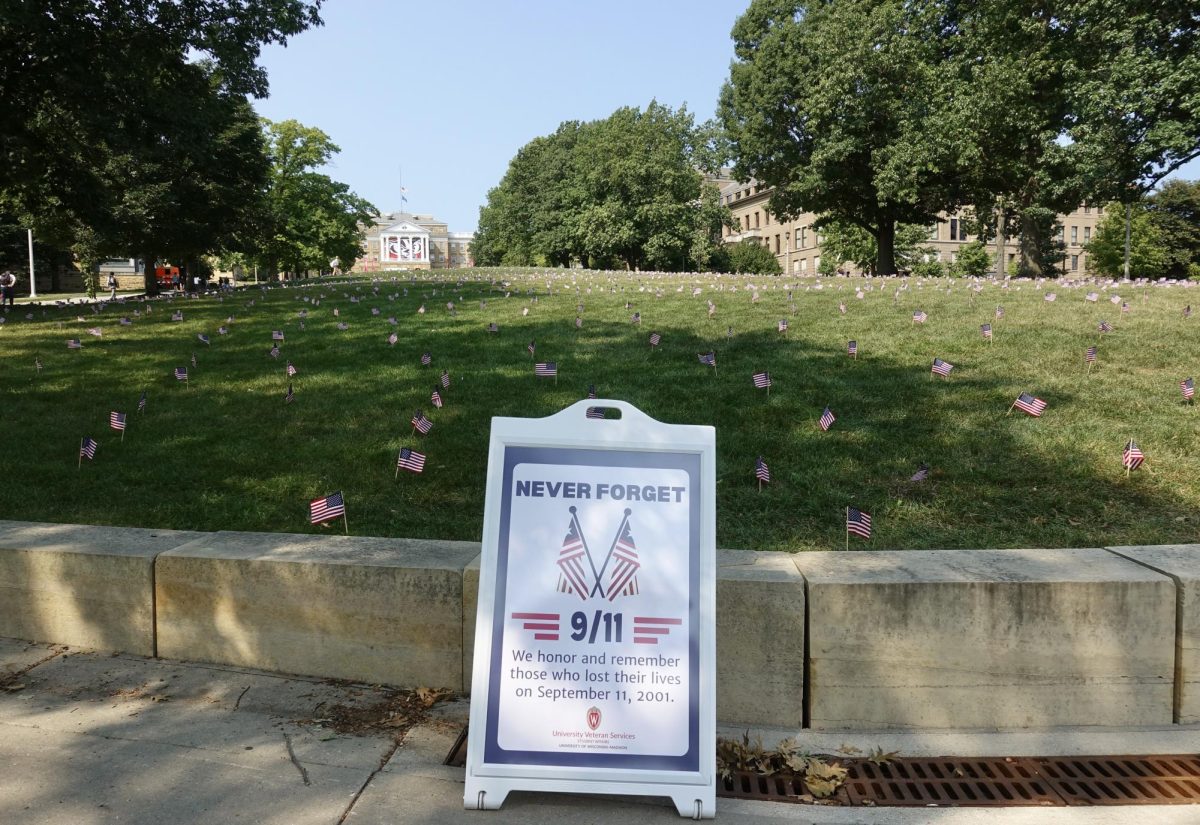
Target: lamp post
{"type": "Point", "coordinates": [32, 280]}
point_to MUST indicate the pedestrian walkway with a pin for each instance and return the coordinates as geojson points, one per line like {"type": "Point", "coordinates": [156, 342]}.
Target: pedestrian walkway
{"type": "Point", "coordinates": [93, 739]}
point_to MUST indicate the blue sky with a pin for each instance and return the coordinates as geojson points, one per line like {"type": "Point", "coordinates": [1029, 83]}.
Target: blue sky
{"type": "Point", "coordinates": [449, 91]}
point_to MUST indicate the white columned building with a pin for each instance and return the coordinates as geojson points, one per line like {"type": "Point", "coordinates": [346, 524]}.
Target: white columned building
{"type": "Point", "coordinates": [404, 243]}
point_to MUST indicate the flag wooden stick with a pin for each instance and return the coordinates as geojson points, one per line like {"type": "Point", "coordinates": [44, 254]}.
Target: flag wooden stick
{"type": "Point", "coordinates": [122, 434]}
{"type": "Point", "coordinates": [345, 522]}
{"type": "Point", "coordinates": [847, 529]}
{"type": "Point", "coordinates": [760, 485]}
{"type": "Point", "coordinates": [1130, 442]}
{"type": "Point", "coordinates": [1010, 408]}
{"type": "Point", "coordinates": [79, 464]}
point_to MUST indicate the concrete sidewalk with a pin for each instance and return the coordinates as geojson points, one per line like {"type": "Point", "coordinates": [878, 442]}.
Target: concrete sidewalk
{"type": "Point", "coordinates": [93, 739]}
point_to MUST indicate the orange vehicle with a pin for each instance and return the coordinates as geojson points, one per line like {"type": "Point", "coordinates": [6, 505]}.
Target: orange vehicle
{"type": "Point", "coordinates": [165, 274]}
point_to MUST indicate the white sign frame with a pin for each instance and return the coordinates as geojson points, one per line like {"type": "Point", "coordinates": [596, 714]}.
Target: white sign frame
{"type": "Point", "coordinates": [643, 443]}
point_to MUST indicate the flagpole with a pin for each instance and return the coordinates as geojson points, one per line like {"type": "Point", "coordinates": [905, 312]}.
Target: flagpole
{"type": "Point", "coordinates": [79, 464]}
{"type": "Point", "coordinates": [1010, 408]}
{"type": "Point", "coordinates": [847, 529]}
{"type": "Point", "coordinates": [345, 521]}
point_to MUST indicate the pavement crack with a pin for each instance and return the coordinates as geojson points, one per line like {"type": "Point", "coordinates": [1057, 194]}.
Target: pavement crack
{"type": "Point", "coordinates": [12, 677]}
{"type": "Point", "coordinates": [383, 760]}
{"type": "Point", "coordinates": [292, 755]}
{"type": "Point", "coordinates": [240, 695]}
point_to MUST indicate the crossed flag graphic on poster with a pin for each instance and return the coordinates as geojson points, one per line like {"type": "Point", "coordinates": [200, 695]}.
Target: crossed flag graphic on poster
{"type": "Point", "coordinates": [616, 576]}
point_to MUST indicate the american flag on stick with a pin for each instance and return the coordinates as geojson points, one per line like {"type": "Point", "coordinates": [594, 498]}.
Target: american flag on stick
{"type": "Point", "coordinates": [445, 380]}
{"type": "Point", "coordinates": [655, 339]}
{"type": "Point", "coordinates": [426, 359]}
{"type": "Point", "coordinates": [392, 339]}
{"type": "Point", "coordinates": [410, 460]}
{"type": "Point", "coordinates": [87, 449]}
{"type": "Point", "coordinates": [921, 474]}
{"type": "Point", "coordinates": [289, 396]}
{"type": "Point", "coordinates": [709, 359]}
{"type": "Point", "coordinates": [435, 398]}
{"type": "Point", "coordinates": [493, 328]}
{"type": "Point", "coordinates": [96, 331]}
{"type": "Point", "coordinates": [1105, 326]}
{"type": "Point", "coordinates": [999, 312]}
{"type": "Point", "coordinates": [74, 343]}
{"type": "Point", "coordinates": [176, 316]}
{"type": "Point", "coordinates": [141, 407]}
{"type": "Point", "coordinates": [826, 420]}
{"type": "Point", "coordinates": [920, 317]}
{"type": "Point", "coordinates": [762, 380]}
{"type": "Point", "coordinates": [547, 369]}
{"type": "Point", "coordinates": [1026, 403]}
{"type": "Point", "coordinates": [420, 423]}
{"type": "Point", "coordinates": [277, 335]}
{"type": "Point", "coordinates": [1090, 355]}
{"type": "Point", "coordinates": [273, 352]}
{"type": "Point", "coordinates": [181, 374]}
{"type": "Point", "coordinates": [531, 347]}
{"type": "Point", "coordinates": [116, 420]}
{"type": "Point", "coordinates": [1132, 457]}
{"type": "Point", "coordinates": [783, 325]}
{"type": "Point", "coordinates": [327, 508]}
{"type": "Point", "coordinates": [1051, 297]}
{"type": "Point", "coordinates": [986, 331]}
{"type": "Point", "coordinates": [1188, 387]}
{"type": "Point", "coordinates": [204, 339]}
{"type": "Point", "coordinates": [941, 367]}
{"type": "Point", "coordinates": [761, 472]}
{"type": "Point", "coordinates": [852, 349]}
{"type": "Point", "coordinates": [858, 523]}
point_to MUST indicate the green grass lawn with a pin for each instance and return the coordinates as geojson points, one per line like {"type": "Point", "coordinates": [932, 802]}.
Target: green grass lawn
{"type": "Point", "coordinates": [224, 451]}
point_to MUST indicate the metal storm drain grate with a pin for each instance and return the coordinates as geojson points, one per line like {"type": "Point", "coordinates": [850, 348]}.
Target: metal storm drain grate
{"type": "Point", "coordinates": [994, 782]}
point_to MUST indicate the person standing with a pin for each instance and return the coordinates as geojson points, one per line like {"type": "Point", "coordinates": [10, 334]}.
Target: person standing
{"type": "Point", "coordinates": [112, 286]}
{"type": "Point", "coordinates": [8, 285]}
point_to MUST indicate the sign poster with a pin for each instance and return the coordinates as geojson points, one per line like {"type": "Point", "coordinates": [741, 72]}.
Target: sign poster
{"type": "Point", "coordinates": [594, 651]}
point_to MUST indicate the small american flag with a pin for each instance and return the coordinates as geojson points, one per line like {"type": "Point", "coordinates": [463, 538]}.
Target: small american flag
{"type": "Point", "coordinates": [277, 335]}
{"type": "Point", "coordinates": [827, 419]}
{"type": "Point", "coordinates": [1105, 326]}
{"type": "Point", "coordinates": [695, 291]}
{"type": "Point", "coordinates": [122, 321]}
{"type": "Point", "coordinates": [712, 310]}
{"type": "Point", "coordinates": [999, 312]}
{"type": "Point", "coordinates": [204, 339]}
{"type": "Point", "coordinates": [326, 508]}
{"type": "Point", "coordinates": [858, 522]}
{"type": "Point", "coordinates": [548, 369]}
{"type": "Point", "coordinates": [986, 330]}
{"type": "Point", "coordinates": [729, 332]}
{"type": "Point", "coordinates": [1115, 299]}
{"type": "Point", "coordinates": [709, 359]}
{"type": "Point", "coordinates": [181, 374]}
{"type": "Point", "coordinates": [852, 348]}
{"type": "Point", "coordinates": [637, 318]}
{"type": "Point", "coordinates": [524, 311]}
{"type": "Point", "coordinates": [1132, 457]}
{"type": "Point", "coordinates": [1188, 387]}
{"type": "Point", "coordinates": [655, 339]}
{"type": "Point", "coordinates": [392, 339]}
{"type": "Point", "coordinates": [193, 359]}
{"type": "Point", "coordinates": [74, 343]}
{"type": "Point", "coordinates": [1125, 306]}
{"type": "Point", "coordinates": [336, 312]}
{"type": "Point", "coordinates": [422, 424]}
{"type": "Point", "coordinates": [941, 367]}
{"type": "Point", "coordinates": [762, 380]}
{"type": "Point", "coordinates": [421, 309]}
{"type": "Point", "coordinates": [343, 326]}
{"type": "Point", "coordinates": [921, 474]}
{"type": "Point", "coordinates": [411, 460]}
{"type": "Point", "coordinates": [116, 420]}
{"type": "Point", "coordinates": [445, 380]}
{"type": "Point", "coordinates": [842, 307]}
{"type": "Point", "coordinates": [290, 395]}
{"type": "Point", "coordinates": [1092, 296]}
{"type": "Point", "coordinates": [426, 359]}
{"type": "Point", "coordinates": [493, 328]}
{"type": "Point", "coordinates": [436, 398]}
{"type": "Point", "coordinates": [1028, 404]}
{"type": "Point", "coordinates": [96, 331]}
{"type": "Point", "coordinates": [222, 331]}
{"type": "Point", "coordinates": [578, 322]}
{"type": "Point", "coordinates": [142, 402]}
{"type": "Point", "coordinates": [783, 325]}
{"type": "Point", "coordinates": [375, 310]}
{"type": "Point", "coordinates": [919, 317]}
{"type": "Point", "coordinates": [761, 471]}
{"type": "Point", "coordinates": [1051, 297]}
{"type": "Point", "coordinates": [37, 364]}
{"type": "Point", "coordinates": [1090, 355]}
{"type": "Point", "coordinates": [177, 316]}
{"type": "Point", "coordinates": [591, 391]}
{"type": "Point", "coordinates": [532, 347]}
{"type": "Point", "coordinates": [87, 448]}
{"type": "Point", "coordinates": [1187, 311]}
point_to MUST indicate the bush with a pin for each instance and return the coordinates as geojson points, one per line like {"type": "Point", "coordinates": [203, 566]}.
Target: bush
{"type": "Point", "coordinates": [752, 258]}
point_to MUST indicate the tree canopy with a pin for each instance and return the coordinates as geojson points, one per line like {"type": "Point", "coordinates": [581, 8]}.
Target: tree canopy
{"type": "Point", "coordinates": [622, 191]}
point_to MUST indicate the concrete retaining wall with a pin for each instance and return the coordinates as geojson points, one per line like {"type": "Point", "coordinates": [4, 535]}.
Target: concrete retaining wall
{"type": "Point", "coordinates": [970, 638]}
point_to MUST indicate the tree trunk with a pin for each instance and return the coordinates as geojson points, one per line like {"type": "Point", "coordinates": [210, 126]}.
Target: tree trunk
{"type": "Point", "coordinates": [1030, 241]}
{"type": "Point", "coordinates": [886, 240]}
{"type": "Point", "coordinates": [149, 277]}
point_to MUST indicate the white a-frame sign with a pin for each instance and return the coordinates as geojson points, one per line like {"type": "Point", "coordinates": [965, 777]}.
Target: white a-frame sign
{"type": "Point", "coordinates": [595, 641]}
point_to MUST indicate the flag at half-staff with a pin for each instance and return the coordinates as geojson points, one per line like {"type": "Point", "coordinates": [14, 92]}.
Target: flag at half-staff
{"type": "Point", "coordinates": [572, 576]}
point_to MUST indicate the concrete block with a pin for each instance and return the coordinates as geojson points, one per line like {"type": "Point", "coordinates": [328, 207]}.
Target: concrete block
{"type": "Point", "coordinates": [760, 639]}
{"type": "Point", "coordinates": [470, 608]}
{"type": "Point", "coordinates": [81, 585]}
{"type": "Point", "coordinates": [987, 638]}
{"type": "Point", "coordinates": [367, 609]}
{"type": "Point", "coordinates": [1182, 563]}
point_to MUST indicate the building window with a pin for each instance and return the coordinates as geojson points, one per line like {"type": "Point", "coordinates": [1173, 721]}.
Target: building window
{"type": "Point", "coordinates": [803, 237]}
{"type": "Point", "coordinates": [1074, 236]}
{"type": "Point", "coordinates": [795, 266]}
{"type": "Point", "coordinates": [776, 244]}
{"type": "Point", "coordinates": [804, 264]}
{"type": "Point", "coordinates": [933, 233]}
{"type": "Point", "coordinates": [1062, 234]}
{"type": "Point", "coordinates": [756, 220]}
{"type": "Point", "coordinates": [817, 264]}
{"type": "Point", "coordinates": [1074, 263]}
{"type": "Point", "coordinates": [1087, 210]}
{"type": "Point", "coordinates": [1087, 234]}
{"type": "Point", "coordinates": [766, 217]}
{"type": "Point", "coordinates": [954, 229]}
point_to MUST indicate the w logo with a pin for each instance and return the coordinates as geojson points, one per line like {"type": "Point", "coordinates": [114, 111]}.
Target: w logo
{"type": "Point", "coordinates": [616, 576]}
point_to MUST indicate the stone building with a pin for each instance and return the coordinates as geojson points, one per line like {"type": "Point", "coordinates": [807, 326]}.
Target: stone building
{"type": "Point", "coordinates": [797, 246]}
{"type": "Point", "coordinates": [402, 240]}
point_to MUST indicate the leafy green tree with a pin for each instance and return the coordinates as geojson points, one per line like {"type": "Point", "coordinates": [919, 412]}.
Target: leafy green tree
{"type": "Point", "coordinates": [842, 241]}
{"type": "Point", "coordinates": [311, 218]}
{"type": "Point", "coordinates": [751, 257]}
{"type": "Point", "coordinates": [622, 191]}
{"type": "Point", "coordinates": [1175, 208]}
{"type": "Point", "coordinates": [973, 261]}
{"type": "Point", "coordinates": [831, 104]}
{"type": "Point", "coordinates": [1106, 251]}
